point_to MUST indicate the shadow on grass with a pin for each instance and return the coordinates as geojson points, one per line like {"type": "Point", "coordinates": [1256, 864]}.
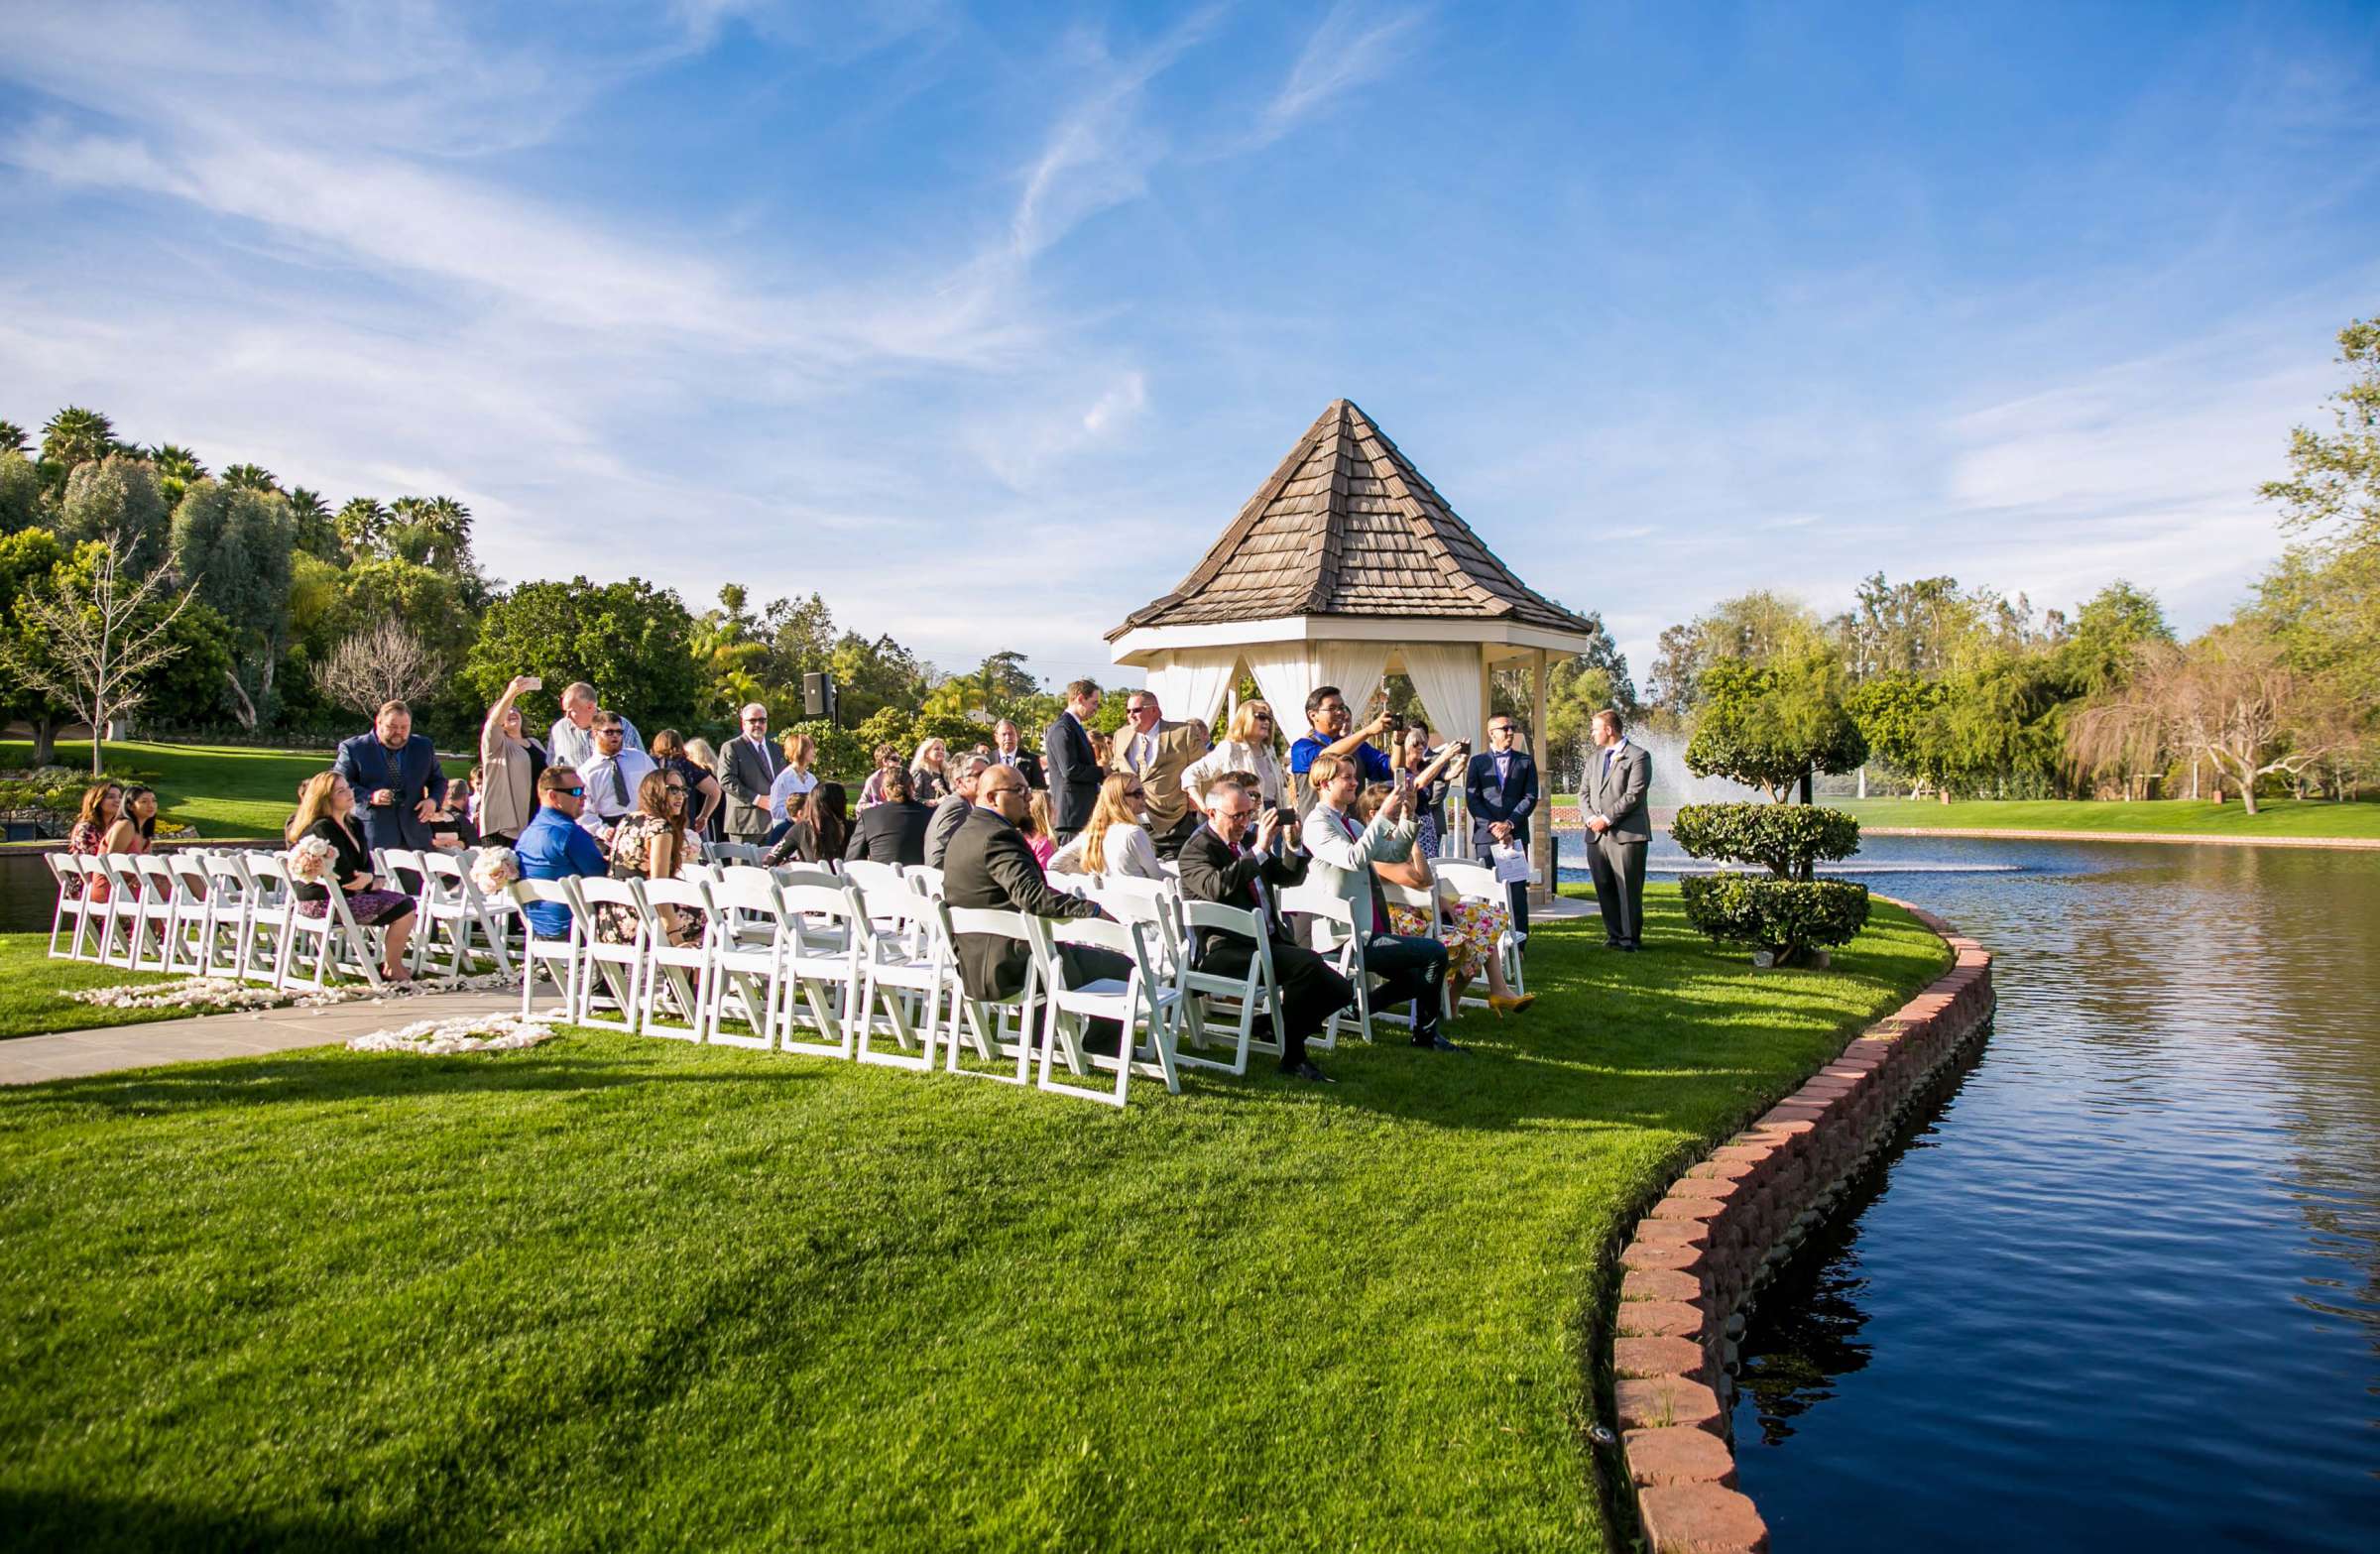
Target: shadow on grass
{"type": "Point", "coordinates": [63, 1519]}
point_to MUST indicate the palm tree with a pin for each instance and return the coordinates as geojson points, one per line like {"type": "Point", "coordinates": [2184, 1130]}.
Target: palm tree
{"type": "Point", "coordinates": [175, 462]}
{"type": "Point", "coordinates": [317, 534]}
{"type": "Point", "coordinates": [77, 435]}
{"type": "Point", "coordinates": [363, 526]}
{"type": "Point", "coordinates": [13, 440]}
{"type": "Point", "coordinates": [253, 477]}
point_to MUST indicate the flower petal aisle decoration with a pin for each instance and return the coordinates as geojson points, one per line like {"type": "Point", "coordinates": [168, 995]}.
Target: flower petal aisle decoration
{"type": "Point", "coordinates": [222, 995]}
{"type": "Point", "coordinates": [450, 1037]}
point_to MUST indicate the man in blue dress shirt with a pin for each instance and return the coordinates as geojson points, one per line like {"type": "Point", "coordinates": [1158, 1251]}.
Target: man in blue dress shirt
{"type": "Point", "coordinates": [554, 846]}
{"type": "Point", "coordinates": [1328, 734]}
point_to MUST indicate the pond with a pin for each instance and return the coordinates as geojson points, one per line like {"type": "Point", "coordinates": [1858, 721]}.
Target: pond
{"type": "Point", "coordinates": [2122, 1286]}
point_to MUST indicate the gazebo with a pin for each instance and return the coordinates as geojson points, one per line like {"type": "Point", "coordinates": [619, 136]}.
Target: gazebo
{"type": "Point", "coordinates": [1345, 566]}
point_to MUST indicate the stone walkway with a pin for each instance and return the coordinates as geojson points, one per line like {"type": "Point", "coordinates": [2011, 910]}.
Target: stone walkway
{"type": "Point", "coordinates": [75, 1054]}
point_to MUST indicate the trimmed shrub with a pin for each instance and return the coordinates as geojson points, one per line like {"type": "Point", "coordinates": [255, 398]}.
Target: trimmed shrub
{"type": "Point", "coordinates": [1786, 917]}
{"type": "Point", "coordinates": [1786, 839]}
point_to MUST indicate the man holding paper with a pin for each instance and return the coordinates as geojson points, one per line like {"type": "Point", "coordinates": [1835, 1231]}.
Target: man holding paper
{"type": "Point", "coordinates": [1618, 828]}
{"type": "Point", "coordinates": [1501, 790]}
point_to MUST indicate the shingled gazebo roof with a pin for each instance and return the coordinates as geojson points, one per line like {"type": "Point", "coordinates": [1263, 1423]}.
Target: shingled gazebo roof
{"type": "Point", "coordinates": [1348, 526]}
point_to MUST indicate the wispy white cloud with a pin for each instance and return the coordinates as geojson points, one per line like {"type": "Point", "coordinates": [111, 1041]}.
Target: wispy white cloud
{"type": "Point", "coordinates": [1353, 46]}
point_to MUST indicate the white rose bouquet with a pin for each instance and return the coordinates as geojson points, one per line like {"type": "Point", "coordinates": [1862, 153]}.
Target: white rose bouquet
{"type": "Point", "coordinates": [493, 869]}
{"type": "Point", "coordinates": [311, 860]}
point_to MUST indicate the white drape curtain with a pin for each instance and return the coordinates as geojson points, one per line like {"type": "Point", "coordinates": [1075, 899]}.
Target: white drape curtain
{"type": "Point", "coordinates": [1355, 667]}
{"type": "Point", "coordinates": [1195, 684]}
{"type": "Point", "coordinates": [1284, 674]}
{"type": "Point", "coordinates": [1448, 680]}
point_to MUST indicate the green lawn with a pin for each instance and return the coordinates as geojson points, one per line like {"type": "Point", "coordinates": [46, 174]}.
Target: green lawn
{"type": "Point", "coordinates": [624, 1293]}
{"type": "Point", "coordinates": [2204, 817]}
{"type": "Point", "coordinates": [225, 790]}
{"type": "Point", "coordinates": [30, 983]}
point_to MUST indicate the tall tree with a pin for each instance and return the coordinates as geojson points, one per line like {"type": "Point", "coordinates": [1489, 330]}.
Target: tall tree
{"type": "Point", "coordinates": [250, 477]}
{"type": "Point", "coordinates": [631, 641]}
{"type": "Point", "coordinates": [235, 545]}
{"type": "Point", "coordinates": [2232, 697]}
{"type": "Point", "coordinates": [28, 560]}
{"type": "Point", "coordinates": [1755, 628]}
{"type": "Point", "coordinates": [363, 528]}
{"type": "Point", "coordinates": [316, 535]}
{"type": "Point", "coordinates": [75, 436]}
{"type": "Point", "coordinates": [20, 493]}
{"type": "Point", "coordinates": [13, 438]}
{"type": "Point", "coordinates": [93, 639]}
{"type": "Point", "coordinates": [384, 662]}
{"type": "Point", "coordinates": [1770, 725]}
{"type": "Point", "coordinates": [117, 495]}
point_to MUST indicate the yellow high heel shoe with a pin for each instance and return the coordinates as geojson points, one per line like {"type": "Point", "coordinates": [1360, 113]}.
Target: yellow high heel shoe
{"type": "Point", "coordinates": [1509, 1002]}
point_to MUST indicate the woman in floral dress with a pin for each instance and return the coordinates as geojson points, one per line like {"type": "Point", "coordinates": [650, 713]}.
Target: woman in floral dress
{"type": "Point", "coordinates": [650, 845]}
{"type": "Point", "coordinates": [1470, 930]}
{"type": "Point", "coordinates": [100, 807]}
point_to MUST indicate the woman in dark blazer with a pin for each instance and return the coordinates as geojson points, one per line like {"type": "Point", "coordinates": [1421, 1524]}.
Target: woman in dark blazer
{"type": "Point", "coordinates": [893, 832]}
{"type": "Point", "coordinates": [326, 809]}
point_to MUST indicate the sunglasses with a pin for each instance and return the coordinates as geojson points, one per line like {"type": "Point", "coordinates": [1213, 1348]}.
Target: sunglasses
{"type": "Point", "coordinates": [574, 792]}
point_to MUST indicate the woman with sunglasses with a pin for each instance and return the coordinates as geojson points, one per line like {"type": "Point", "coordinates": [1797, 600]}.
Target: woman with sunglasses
{"type": "Point", "coordinates": [1246, 746]}
{"type": "Point", "coordinates": [1117, 840]}
{"type": "Point", "coordinates": [650, 844]}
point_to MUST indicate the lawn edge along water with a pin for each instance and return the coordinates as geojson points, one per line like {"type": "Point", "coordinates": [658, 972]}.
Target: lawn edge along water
{"type": "Point", "coordinates": [229, 793]}
{"type": "Point", "coordinates": [641, 1295]}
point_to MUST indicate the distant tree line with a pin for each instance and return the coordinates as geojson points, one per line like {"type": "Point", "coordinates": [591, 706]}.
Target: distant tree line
{"type": "Point", "coordinates": [1964, 693]}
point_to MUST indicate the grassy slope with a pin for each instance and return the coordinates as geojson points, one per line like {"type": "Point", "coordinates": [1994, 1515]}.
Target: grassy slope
{"type": "Point", "coordinates": [624, 1292]}
{"type": "Point", "coordinates": [2202, 817]}
{"type": "Point", "coordinates": [224, 790]}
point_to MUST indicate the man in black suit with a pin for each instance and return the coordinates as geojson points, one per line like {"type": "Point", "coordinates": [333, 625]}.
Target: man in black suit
{"type": "Point", "coordinates": [1219, 866]}
{"type": "Point", "coordinates": [1007, 750]}
{"type": "Point", "coordinates": [1501, 790]}
{"type": "Point", "coordinates": [988, 866]}
{"type": "Point", "coordinates": [397, 781]}
{"type": "Point", "coordinates": [1074, 775]}
{"type": "Point", "coordinates": [748, 766]}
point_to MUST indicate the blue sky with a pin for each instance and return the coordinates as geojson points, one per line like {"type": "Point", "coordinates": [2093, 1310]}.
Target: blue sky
{"type": "Point", "coordinates": [983, 321]}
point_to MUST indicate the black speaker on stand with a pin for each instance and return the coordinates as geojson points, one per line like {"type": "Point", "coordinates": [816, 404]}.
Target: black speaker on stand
{"type": "Point", "coordinates": [818, 699]}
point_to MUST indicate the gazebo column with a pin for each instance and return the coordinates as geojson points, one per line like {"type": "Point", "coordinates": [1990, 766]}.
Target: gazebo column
{"type": "Point", "coordinates": [1542, 835]}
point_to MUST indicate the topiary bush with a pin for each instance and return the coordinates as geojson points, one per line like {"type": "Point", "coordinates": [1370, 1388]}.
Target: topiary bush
{"type": "Point", "coordinates": [1786, 839]}
{"type": "Point", "coordinates": [1787, 918]}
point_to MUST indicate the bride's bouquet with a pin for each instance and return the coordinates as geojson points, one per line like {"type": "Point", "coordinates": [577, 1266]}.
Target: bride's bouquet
{"type": "Point", "coordinates": [311, 860]}
{"type": "Point", "coordinates": [493, 869]}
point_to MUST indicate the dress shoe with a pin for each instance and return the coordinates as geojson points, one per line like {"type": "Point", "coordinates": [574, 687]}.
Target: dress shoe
{"type": "Point", "coordinates": [1307, 1071]}
{"type": "Point", "coordinates": [1435, 1041]}
{"type": "Point", "coordinates": [1509, 1002]}
{"type": "Point", "coordinates": [1631, 947]}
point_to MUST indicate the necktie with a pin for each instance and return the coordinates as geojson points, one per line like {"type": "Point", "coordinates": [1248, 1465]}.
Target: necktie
{"type": "Point", "coordinates": [619, 785]}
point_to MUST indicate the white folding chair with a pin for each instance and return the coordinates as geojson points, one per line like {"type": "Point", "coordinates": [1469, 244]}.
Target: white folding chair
{"type": "Point", "coordinates": [1478, 883]}
{"type": "Point", "coordinates": [191, 934]}
{"type": "Point", "coordinates": [160, 899]}
{"type": "Point", "coordinates": [74, 904]}
{"type": "Point", "coordinates": [926, 881]}
{"type": "Point", "coordinates": [1426, 904]}
{"type": "Point", "coordinates": [791, 875]}
{"type": "Point", "coordinates": [747, 943]}
{"type": "Point", "coordinates": [736, 853]}
{"type": "Point", "coordinates": [997, 1028]}
{"type": "Point", "coordinates": [231, 902]}
{"type": "Point", "coordinates": [337, 942]}
{"type": "Point", "coordinates": [1334, 937]}
{"type": "Point", "coordinates": [614, 972]}
{"type": "Point", "coordinates": [864, 875]}
{"type": "Point", "coordinates": [685, 967]}
{"type": "Point", "coordinates": [264, 943]}
{"type": "Point", "coordinates": [1255, 991]}
{"type": "Point", "coordinates": [123, 910]}
{"type": "Point", "coordinates": [392, 867]}
{"type": "Point", "coordinates": [1142, 1002]}
{"type": "Point", "coordinates": [822, 946]}
{"type": "Point", "coordinates": [454, 912]}
{"type": "Point", "coordinates": [563, 958]}
{"type": "Point", "coordinates": [900, 972]}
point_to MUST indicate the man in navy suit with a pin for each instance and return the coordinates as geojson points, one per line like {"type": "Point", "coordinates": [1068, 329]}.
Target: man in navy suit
{"type": "Point", "coordinates": [1073, 767]}
{"type": "Point", "coordinates": [1501, 790]}
{"type": "Point", "coordinates": [397, 781]}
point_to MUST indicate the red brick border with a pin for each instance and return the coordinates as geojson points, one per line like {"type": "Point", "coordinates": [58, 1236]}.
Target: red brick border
{"type": "Point", "coordinates": [1702, 1248]}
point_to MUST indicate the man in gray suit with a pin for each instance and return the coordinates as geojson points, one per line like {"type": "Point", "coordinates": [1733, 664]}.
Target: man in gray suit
{"type": "Point", "coordinates": [746, 767]}
{"type": "Point", "coordinates": [1619, 828]}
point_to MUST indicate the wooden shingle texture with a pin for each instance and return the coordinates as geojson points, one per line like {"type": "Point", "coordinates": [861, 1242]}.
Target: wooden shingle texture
{"type": "Point", "coordinates": [1347, 526]}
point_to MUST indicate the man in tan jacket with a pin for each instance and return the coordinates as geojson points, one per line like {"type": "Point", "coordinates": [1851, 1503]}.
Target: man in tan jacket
{"type": "Point", "coordinates": [1157, 752]}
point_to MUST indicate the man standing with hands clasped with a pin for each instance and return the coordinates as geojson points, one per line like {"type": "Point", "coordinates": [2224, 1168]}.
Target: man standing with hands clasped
{"type": "Point", "coordinates": [397, 781]}
{"type": "Point", "coordinates": [1619, 829]}
{"type": "Point", "coordinates": [1500, 788]}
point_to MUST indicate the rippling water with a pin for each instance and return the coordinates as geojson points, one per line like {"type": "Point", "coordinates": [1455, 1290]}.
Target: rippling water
{"type": "Point", "coordinates": [2122, 1288]}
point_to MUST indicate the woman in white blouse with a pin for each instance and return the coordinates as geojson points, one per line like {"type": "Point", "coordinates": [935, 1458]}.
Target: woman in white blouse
{"type": "Point", "coordinates": [1247, 748]}
{"type": "Point", "coordinates": [786, 793]}
{"type": "Point", "coordinates": [1117, 839]}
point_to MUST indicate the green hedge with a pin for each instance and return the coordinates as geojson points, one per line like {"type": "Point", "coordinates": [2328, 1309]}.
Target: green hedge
{"type": "Point", "coordinates": [1785, 838]}
{"type": "Point", "coordinates": [1786, 917]}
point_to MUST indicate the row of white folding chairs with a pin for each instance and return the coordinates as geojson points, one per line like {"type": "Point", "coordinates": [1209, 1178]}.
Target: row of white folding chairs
{"type": "Point", "coordinates": [452, 917]}
{"type": "Point", "coordinates": [873, 963]}
{"type": "Point", "coordinates": [209, 913]}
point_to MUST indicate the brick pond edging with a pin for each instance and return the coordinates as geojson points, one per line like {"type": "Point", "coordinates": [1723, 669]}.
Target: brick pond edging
{"type": "Point", "coordinates": [1707, 1245]}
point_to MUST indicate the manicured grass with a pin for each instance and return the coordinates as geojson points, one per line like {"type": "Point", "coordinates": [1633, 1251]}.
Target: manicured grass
{"type": "Point", "coordinates": [2182, 816]}
{"type": "Point", "coordinates": [30, 982]}
{"type": "Point", "coordinates": [624, 1293]}
{"type": "Point", "coordinates": [224, 790]}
